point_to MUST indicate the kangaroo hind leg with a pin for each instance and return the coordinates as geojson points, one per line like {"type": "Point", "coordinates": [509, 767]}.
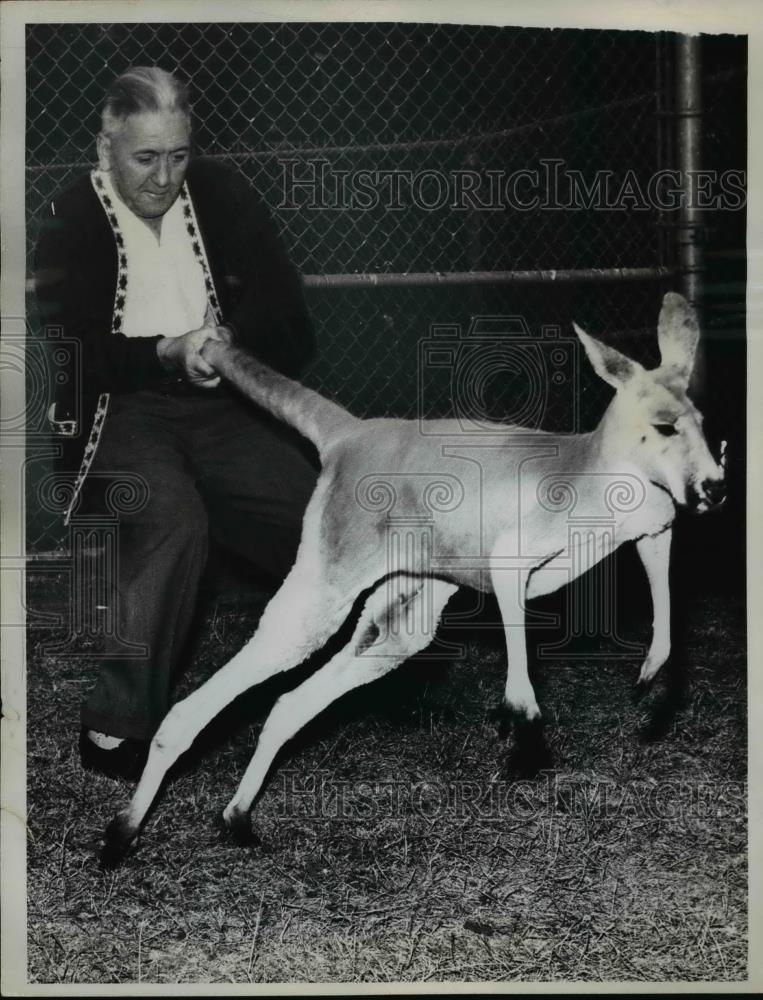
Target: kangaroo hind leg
{"type": "Point", "coordinates": [299, 619]}
{"type": "Point", "coordinates": [386, 635]}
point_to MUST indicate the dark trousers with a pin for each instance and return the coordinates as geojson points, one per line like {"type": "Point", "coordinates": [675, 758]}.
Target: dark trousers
{"type": "Point", "coordinates": [210, 465]}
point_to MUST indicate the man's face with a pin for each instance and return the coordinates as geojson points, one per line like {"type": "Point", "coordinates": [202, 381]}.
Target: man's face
{"type": "Point", "coordinates": [148, 159]}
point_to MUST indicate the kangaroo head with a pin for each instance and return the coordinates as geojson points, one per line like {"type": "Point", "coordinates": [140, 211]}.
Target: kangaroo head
{"type": "Point", "coordinates": [651, 422]}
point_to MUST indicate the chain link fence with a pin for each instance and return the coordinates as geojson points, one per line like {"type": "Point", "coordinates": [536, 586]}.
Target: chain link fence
{"type": "Point", "coordinates": [390, 150]}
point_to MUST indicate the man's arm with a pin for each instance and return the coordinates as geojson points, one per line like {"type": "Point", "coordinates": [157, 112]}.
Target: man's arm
{"type": "Point", "coordinates": [181, 355]}
{"type": "Point", "coordinates": [64, 283]}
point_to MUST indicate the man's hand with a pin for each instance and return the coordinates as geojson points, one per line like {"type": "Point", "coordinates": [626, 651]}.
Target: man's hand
{"type": "Point", "coordinates": [183, 354]}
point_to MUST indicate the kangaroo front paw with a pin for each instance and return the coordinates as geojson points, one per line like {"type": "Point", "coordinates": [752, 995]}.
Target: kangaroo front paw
{"type": "Point", "coordinates": [509, 717]}
{"type": "Point", "coordinates": [503, 718]}
{"type": "Point", "coordinates": [119, 836]}
{"type": "Point", "coordinates": [530, 754]}
{"type": "Point", "coordinates": [650, 668]}
{"type": "Point", "coordinates": [523, 708]}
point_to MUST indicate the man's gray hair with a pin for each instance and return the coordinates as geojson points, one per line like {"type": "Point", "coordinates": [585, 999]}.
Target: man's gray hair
{"type": "Point", "coordinates": [139, 89]}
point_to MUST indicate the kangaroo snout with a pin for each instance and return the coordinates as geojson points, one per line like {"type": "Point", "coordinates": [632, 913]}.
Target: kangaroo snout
{"type": "Point", "coordinates": [710, 494]}
{"type": "Point", "coordinates": [715, 491]}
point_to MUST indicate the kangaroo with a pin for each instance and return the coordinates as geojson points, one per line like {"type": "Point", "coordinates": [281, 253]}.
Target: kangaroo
{"type": "Point", "coordinates": [497, 511]}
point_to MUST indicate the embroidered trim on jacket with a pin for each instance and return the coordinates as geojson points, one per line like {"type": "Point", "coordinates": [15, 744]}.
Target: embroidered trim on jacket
{"type": "Point", "coordinates": [199, 252]}
{"type": "Point", "coordinates": [102, 406]}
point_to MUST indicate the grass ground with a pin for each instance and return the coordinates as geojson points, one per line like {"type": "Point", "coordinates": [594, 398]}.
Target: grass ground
{"type": "Point", "coordinates": [397, 842]}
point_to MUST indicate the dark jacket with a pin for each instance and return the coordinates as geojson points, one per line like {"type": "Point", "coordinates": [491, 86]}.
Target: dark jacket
{"type": "Point", "coordinates": [259, 291]}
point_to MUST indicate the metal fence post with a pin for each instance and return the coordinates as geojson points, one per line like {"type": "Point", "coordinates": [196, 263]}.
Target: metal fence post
{"type": "Point", "coordinates": [689, 139]}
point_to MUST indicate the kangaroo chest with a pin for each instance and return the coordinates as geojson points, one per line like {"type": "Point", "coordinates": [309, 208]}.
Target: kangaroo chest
{"type": "Point", "coordinates": [553, 529]}
{"type": "Point", "coordinates": [554, 551]}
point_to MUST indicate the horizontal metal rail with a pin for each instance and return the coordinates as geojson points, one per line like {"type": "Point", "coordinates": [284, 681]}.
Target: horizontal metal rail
{"type": "Point", "coordinates": [424, 279]}
{"type": "Point", "coordinates": [427, 279]}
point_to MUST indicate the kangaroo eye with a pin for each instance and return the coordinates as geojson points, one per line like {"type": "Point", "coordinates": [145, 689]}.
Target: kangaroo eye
{"type": "Point", "coordinates": [667, 430]}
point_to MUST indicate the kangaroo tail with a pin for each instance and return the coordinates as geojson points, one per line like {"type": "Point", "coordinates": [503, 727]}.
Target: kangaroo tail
{"type": "Point", "coordinates": [315, 417]}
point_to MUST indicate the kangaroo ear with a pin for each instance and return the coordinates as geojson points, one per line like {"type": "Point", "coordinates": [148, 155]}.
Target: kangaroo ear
{"type": "Point", "coordinates": [677, 334]}
{"type": "Point", "coordinates": [608, 363]}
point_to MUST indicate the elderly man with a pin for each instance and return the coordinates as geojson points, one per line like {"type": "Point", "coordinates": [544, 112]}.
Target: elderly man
{"type": "Point", "coordinates": [144, 260]}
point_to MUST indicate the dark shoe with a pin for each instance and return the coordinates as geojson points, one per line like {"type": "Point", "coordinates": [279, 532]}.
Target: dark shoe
{"type": "Point", "coordinates": [125, 761]}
